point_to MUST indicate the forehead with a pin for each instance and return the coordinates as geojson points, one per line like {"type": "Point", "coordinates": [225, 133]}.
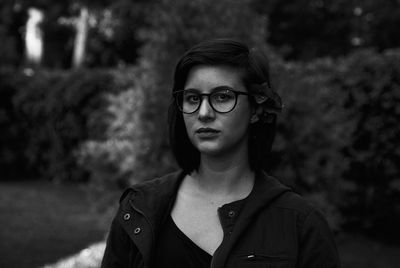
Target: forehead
{"type": "Point", "coordinates": [206, 77]}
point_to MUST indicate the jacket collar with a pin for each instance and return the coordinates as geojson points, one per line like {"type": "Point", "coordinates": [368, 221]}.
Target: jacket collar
{"type": "Point", "coordinates": [155, 197]}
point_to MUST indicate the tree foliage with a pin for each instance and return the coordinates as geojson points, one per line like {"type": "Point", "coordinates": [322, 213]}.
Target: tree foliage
{"type": "Point", "coordinates": [298, 29]}
{"type": "Point", "coordinates": [371, 83]}
{"type": "Point", "coordinates": [311, 133]}
{"type": "Point", "coordinates": [12, 19]}
{"type": "Point", "coordinates": [304, 30]}
{"type": "Point", "coordinates": [46, 117]}
{"type": "Point", "coordinates": [112, 31]}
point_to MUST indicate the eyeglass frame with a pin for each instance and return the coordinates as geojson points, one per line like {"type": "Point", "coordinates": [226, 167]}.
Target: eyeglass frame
{"type": "Point", "coordinates": [237, 93]}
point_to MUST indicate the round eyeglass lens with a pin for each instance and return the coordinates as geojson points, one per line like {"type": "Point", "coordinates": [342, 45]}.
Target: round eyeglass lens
{"type": "Point", "coordinates": [190, 101]}
{"type": "Point", "coordinates": [223, 101]}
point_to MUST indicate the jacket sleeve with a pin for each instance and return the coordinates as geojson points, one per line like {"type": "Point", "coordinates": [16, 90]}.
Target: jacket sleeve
{"type": "Point", "coordinates": [116, 254]}
{"type": "Point", "coordinates": [317, 248]}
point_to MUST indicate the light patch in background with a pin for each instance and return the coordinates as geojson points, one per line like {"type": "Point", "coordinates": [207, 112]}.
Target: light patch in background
{"type": "Point", "coordinates": [34, 36]}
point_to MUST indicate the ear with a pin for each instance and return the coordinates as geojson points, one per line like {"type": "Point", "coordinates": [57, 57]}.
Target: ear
{"type": "Point", "coordinates": [254, 118]}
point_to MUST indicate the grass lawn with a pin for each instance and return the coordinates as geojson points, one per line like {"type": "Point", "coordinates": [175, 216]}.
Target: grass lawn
{"type": "Point", "coordinates": [42, 222]}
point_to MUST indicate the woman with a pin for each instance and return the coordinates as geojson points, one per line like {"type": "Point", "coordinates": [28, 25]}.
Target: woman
{"type": "Point", "coordinates": [221, 209]}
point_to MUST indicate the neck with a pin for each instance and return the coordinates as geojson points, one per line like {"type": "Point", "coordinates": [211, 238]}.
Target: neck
{"type": "Point", "coordinates": [227, 175]}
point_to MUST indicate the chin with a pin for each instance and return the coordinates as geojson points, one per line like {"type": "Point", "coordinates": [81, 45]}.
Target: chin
{"type": "Point", "coordinates": [215, 150]}
{"type": "Point", "coordinates": [209, 148]}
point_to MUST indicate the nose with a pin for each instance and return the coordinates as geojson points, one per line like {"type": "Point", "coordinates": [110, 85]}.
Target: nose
{"type": "Point", "coordinates": [206, 112]}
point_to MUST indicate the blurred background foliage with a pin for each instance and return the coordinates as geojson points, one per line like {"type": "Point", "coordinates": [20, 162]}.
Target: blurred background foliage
{"type": "Point", "coordinates": [100, 117]}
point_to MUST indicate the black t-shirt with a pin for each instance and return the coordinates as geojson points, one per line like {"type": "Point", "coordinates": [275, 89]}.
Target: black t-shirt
{"type": "Point", "coordinates": [175, 249]}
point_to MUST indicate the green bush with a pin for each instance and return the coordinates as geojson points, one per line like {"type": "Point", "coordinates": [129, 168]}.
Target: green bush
{"type": "Point", "coordinates": [371, 83]}
{"type": "Point", "coordinates": [125, 153]}
{"type": "Point", "coordinates": [311, 133]}
{"type": "Point", "coordinates": [13, 135]}
{"type": "Point", "coordinates": [51, 111]}
{"type": "Point", "coordinates": [337, 137]}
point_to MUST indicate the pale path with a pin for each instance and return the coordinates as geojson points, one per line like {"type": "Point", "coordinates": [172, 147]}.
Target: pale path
{"type": "Point", "coordinates": [87, 258]}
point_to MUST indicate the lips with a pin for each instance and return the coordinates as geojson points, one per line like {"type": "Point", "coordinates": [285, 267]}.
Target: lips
{"type": "Point", "coordinates": [206, 130]}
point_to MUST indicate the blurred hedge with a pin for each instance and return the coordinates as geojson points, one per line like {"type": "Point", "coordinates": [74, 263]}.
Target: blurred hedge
{"type": "Point", "coordinates": [13, 134]}
{"type": "Point", "coordinates": [129, 150]}
{"type": "Point", "coordinates": [46, 115]}
{"type": "Point", "coordinates": [311, 133]}
{"type": "Point", "coordinates": [338, 137]}
{"type": "Point", "coordinates": [371, 83]}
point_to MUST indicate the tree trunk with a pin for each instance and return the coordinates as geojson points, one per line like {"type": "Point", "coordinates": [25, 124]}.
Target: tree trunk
{"type": "Point", "coordinates": [80, 38]}
{"type": "Point", "coordinates": [34, 37]}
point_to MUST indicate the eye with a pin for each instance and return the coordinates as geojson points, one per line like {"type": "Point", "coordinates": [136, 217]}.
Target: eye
{"type": "Point", "coordinates": [223, 96]}
{"type": "Point", "coordinates": [191, 97]}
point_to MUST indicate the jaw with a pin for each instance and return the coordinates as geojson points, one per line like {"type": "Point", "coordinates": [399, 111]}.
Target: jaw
{"type": "Point", "coordinates": [219, 150]}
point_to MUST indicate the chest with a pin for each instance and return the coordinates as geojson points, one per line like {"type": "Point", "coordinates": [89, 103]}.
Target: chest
{"type": "Point", "coordinates": [270, 239]}
{"type": "Point", "coordinates": [199, 222]}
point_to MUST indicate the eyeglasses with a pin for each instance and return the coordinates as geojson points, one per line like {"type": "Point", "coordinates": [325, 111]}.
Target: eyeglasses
{"type": "Point", "coordinates": [221, 101]}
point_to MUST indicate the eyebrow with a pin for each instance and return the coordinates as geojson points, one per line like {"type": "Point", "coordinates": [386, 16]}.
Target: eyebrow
{"type": "Point", "coordinates": [212, 90]}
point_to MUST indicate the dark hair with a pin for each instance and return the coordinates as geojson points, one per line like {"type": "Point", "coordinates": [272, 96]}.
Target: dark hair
{"type": "Point", "coordinates": [254, 65]}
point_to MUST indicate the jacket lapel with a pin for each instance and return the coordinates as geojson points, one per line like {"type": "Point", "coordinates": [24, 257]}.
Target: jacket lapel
{"type": "Point", "coordinates": [151, 202]}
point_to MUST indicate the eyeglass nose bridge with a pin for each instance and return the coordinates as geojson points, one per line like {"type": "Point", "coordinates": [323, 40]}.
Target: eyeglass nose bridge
{"type": "Point", "coordinates": [209, 103]}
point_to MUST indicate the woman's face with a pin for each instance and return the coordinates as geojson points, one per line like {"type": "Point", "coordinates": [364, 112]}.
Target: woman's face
{"type": "Point", "coordinates": [211, 132]}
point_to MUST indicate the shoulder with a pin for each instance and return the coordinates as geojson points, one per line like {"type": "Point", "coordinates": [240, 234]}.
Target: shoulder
{"type": "Point", "coordinates": [164, 184]}
{"type": "Point", "coordinates": [303, 208]}
{"type": "Point", "coordinates": [282, 197]}
{"type": "Point", "coordinates": [310, 220]}
{"type": "Point", "coordinates": [317, 246]}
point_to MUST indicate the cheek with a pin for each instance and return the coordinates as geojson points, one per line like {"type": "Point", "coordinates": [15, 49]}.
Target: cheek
{"type": "Point", "coordinates": [237, 126]}
{"type": "Point", "coordinates": [242, 116]}
{"type": "Point", "coordinates": [188, 122]}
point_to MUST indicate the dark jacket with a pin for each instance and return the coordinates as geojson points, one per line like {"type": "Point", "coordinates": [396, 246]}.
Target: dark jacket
{"type": "Point", "coordinates": [276, 228]}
